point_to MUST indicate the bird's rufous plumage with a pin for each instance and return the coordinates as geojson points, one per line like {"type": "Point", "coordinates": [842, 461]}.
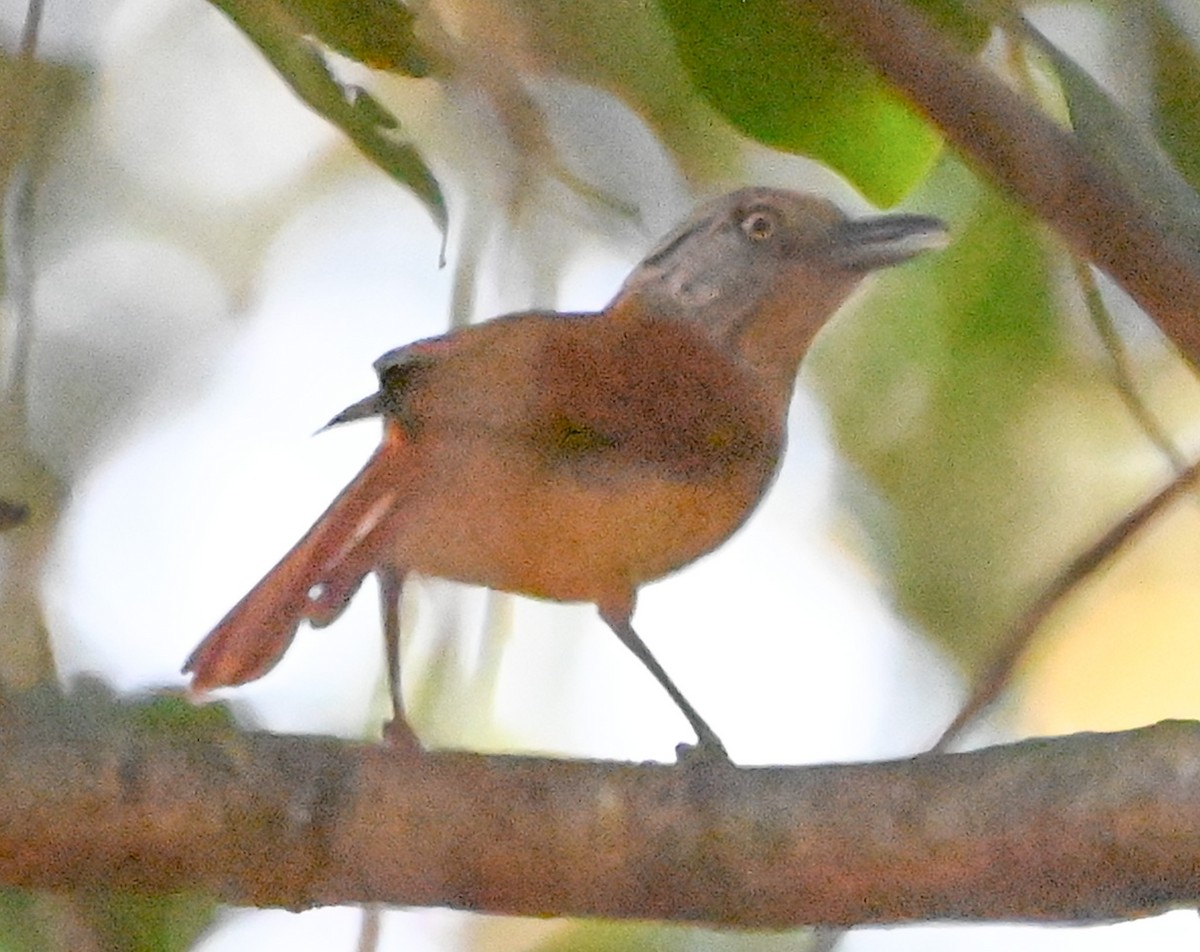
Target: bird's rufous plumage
{"type": "Point", "coordinates": [576, 457]}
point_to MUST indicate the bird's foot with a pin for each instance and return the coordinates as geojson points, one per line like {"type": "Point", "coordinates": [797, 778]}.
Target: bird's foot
{"type": "Point", "coordinates": [708, 750]}
{"type": "Point", "coordinates": [399, 737]}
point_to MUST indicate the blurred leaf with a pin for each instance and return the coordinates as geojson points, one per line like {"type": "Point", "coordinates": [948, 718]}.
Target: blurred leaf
{"type": "Point", "coordinates": [774, 71]}
{"type": "Point", "coordinates": [91, 711]}
{"type": "Point", "coordinates": [621, 46]}
{"type": "Point", "coordinates": [175, 715]}
{"type": "Point", "coordinates": [148, 923]}
{"type": "Point", "coordinates": [26, 657]}
{"type": "Point", "coordinates": [22, 923]}
{"type": "Point", "coordinates": [1176, 94]}
{"type": "Point", "coordinates": [376, 32]}
{"type": "Point", "coordinates": [601, 936]}
{"type": "Point", "coordinates": [31, 922]}
{"type": "Point", "coordinates": [1124, 147]}
{"type": "Point", "coordinates": [38, 98]}
{"type": "Point", "coordinates": [968, 22]}
{"type": "Point", "coordinates": [930, 383]}
{"type": "Point", "coordinates": [281, 38]}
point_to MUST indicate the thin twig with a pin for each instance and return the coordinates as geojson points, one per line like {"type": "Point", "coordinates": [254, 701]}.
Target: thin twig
{"type": "Point", "coordinates": [1090, 560]}
{"type": "Point", "coordinates": [20, 225]}
{"type": "Point", "coordinates": [370, 928]}
{"type": "Point", "coordinates": [1123, 376]}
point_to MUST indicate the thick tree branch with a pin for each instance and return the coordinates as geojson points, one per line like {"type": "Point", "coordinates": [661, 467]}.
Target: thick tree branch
{"type": "Point", "coordinates": [1094, 826]}
{"type": "Point", "coordinates": [1022, 149]}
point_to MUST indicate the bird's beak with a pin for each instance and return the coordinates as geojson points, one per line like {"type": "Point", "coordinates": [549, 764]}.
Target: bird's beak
{"type": "Point", "coordinates": [865, 244]}
{"type": "Point", "coordinates": [366, 407]}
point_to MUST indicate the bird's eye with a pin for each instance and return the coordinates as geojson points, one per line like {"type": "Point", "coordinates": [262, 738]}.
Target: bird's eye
{"type": "Point", "coordinates": [759, 225]}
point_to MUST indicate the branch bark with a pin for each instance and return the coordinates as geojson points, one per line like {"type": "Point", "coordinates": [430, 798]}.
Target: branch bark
{"type": "Point", "coordinates": [1088, 827]}
{"type": "Point", "coordinates": [1023, 150]}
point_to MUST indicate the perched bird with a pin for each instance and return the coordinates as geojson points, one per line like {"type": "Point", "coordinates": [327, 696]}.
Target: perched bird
{"type": "Point", "coordinates": [576, 457]}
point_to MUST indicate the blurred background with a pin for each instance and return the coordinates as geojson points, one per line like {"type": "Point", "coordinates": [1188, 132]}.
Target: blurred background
{"type": "Point", "coordinates": [201, 269]}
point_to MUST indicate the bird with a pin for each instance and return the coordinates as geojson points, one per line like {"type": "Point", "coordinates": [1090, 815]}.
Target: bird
{"type": "Point", "coordinates": [576, 457]}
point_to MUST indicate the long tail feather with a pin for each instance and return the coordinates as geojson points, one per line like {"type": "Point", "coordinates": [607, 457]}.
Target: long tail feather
{"type": "Point", "coordinates": [315, 579]}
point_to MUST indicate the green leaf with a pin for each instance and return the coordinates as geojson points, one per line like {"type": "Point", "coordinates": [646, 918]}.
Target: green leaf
{"type": "Point", "coordinates": [1177, 95]}
{"type": "Point", "coordinates": [962, 20]}
{"type": "Point", "coordinates": [376, 32]}
{"type": "Point", "coordinates": [776, 74]}
{"type": "Point", "coordinates": [282, 39]}
{"type": "Point", "coordinates": [22, 923]}
{"type": "Point", "coordinates": [29, 921]}
{"type": "Point", "coordinates": [930, 382]}
{"type": "Point", "coordinates": [602, 936]}
{"type": "Point", "coordinates": [169, 923]}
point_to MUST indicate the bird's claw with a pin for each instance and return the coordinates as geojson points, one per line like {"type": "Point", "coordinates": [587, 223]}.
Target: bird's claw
{"type": "Point", "coordinates": [708, 750]}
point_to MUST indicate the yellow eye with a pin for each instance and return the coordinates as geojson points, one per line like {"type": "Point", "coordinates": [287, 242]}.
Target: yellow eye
{"type": "Point", "coordinates": [759, 224]}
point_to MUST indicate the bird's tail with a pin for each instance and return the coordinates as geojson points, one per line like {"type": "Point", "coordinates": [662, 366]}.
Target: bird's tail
{"type": "Point", "coordinates": [316, 579]}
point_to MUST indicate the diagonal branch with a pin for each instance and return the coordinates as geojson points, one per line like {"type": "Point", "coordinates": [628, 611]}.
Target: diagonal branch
{"type": "Point", "coordinates": [1089, 827]}
{"type": "Point", "coordinates": [1022, 149]}
{"type": "Point", "coordinates": [996, 675]}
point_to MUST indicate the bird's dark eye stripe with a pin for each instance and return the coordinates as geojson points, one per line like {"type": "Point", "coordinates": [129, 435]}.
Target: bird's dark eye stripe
{"type": "Point", "coordinates": [663, 253]}
{"type": "Point", "coordinates": [757, 210]}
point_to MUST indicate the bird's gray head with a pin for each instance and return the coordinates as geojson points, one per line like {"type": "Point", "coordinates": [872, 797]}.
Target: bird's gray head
{"type": "Point", "coordinates": [762, 269]}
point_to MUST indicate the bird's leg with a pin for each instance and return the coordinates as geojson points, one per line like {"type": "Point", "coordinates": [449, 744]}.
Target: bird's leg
{"type": "Point", "coordinates": [708, 746]}
{"type": "Point", "coordinates": [397, 732]}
